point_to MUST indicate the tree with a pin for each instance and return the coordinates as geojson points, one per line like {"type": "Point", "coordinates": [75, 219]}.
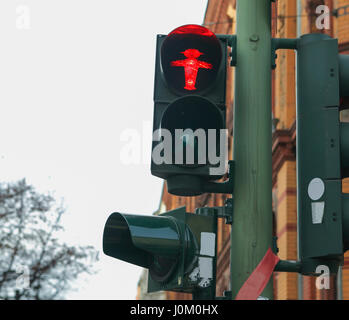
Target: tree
{"type": "Point", "coordinates": [34, 263]}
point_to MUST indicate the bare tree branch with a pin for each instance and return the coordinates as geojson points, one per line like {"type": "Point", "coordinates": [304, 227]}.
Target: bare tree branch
{"type": "Point", "coordinates": [28, 225]}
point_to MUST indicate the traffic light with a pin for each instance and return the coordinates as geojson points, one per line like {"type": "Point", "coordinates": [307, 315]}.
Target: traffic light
{"type": "Point", "coordinates": [189, 136]}
{"type": "Point", "coordinates": [322, 152]}
{"type": "Point", "coordinates": [177, 247]}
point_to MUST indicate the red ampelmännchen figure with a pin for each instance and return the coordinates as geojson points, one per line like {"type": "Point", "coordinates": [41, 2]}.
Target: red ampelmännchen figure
{"type": "Point", "coordinates": [191, 66]}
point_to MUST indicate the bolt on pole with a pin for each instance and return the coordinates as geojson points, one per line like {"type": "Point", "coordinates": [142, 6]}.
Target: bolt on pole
{"type": "Point", "coordinates": [251, 233]}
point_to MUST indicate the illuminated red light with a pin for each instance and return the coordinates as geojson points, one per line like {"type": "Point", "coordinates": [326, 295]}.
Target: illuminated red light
{"type": "Point", "coordinates": [193, 29]}
{"type": "Point", "coordinates": [191, 66]}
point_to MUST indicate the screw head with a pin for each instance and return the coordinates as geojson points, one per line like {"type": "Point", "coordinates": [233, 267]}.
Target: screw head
{"type": "Point", "coordinates": [254, 38]}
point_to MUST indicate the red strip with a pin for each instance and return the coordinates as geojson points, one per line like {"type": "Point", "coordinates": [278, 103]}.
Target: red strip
{"type": "Point", "coordinates": [256, 282]}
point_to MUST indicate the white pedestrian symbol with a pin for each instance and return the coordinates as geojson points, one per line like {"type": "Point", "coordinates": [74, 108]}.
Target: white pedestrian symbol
{"type": "Point", "coordinates": [316, 189]}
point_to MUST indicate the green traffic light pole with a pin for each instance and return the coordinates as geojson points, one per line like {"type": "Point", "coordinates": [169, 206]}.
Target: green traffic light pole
{"type": "Point", "coordinates": [251, 233]}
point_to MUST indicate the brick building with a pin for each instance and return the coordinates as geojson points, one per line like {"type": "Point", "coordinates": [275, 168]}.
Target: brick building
{"type": "Point", "coordinates": [290, 19]}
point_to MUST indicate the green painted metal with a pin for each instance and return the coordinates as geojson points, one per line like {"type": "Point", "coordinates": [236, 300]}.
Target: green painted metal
{"type": "Point", "coordinates": [281, 43]}
{"type": "Point", "coordinates": [118, 243]}
{"type": "Point", "coordinates": [345, 220]}
{"type": "Point", "coordinates": [188, 110]}
{"type": "Point", "coordinates": [125, 235]}
{"type": "Point", "coordinates": [251, 234]}
{"type": "Point", "coordinates": [288, 266]}
{"type": "Point", "coordinates": [344, 146]}
{"type": "Point", "coordinates": [322, 153]}
{"type": "Point", "coordinates": [169, 245]}
{"type": "Point", "coordinates": [344, 75]}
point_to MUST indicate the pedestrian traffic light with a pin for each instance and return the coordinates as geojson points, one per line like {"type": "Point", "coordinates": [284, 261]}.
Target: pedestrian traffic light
{"type": "Point", "coordinates": [322, 152]}
{"type": "Point", "coordinates": [189, 136]}
{"type": "Point", "coordinates": [177, 247]}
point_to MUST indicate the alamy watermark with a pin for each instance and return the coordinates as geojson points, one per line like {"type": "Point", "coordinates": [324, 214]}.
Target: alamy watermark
{"type": "Point", "coordinates": [323, 280]}
{"type": "Point", "coordinates": [23, 280]}
{"type": "Point", "coordinates": [179, 147]}
{"type": "Point", "coordinates": [323, 20]}
{"type": "Point", "coordinates": [23, 17]}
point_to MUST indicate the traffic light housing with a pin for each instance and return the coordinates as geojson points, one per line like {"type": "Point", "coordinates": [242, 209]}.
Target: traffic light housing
{"type": "Point", "coordinates": [177, 247]}
{"type": "Point", "coordinates": [322, 153]}
{"type": "Point", "coordinates": [189, 136]}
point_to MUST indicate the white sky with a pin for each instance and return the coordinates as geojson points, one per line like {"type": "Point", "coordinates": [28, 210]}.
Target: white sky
{"type": "Point", "coordinates": [74, 75]}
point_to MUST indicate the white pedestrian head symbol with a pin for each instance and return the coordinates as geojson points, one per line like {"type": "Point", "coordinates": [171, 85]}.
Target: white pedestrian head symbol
{"type": "Point", "coordinates": [316, 189]}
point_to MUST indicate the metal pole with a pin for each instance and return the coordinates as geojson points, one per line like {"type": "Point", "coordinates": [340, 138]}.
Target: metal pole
{"type": "Point", "coordinates": [251, 234]}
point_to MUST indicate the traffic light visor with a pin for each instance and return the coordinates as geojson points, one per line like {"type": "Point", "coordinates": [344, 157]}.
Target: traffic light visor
{"type": "Point", "coordinates": [141, 239]}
